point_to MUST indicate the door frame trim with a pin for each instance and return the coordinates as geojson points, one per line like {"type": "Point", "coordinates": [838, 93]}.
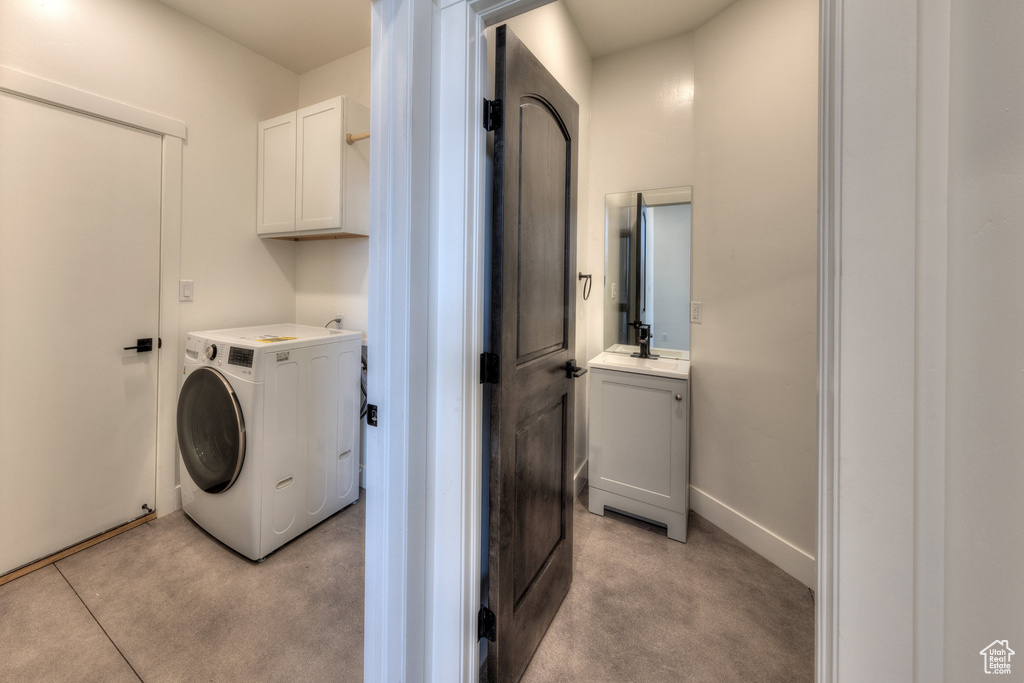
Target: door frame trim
{"type": "Point", "coordinates": [399, 536]}
{"type": "Point", "coordinates": [168, 493]}
{"type": "Point", "coordinates": [65, 97]}
{"type": "Point", "coordinates": [829, 227]}
{"type": "Point", "coordinates": [826, 603]}
{"type": "Point", "coordinates": [173, 135]}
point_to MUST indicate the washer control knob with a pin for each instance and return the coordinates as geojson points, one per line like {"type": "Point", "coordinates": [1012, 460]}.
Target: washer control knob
{"type": "Point", "coordinates": [211, 352]}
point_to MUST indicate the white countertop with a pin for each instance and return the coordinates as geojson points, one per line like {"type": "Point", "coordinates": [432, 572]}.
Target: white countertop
{"type": "Point", "coordinates": [667, 353]}
{"type": "Point", "coordinates": [672, 368]}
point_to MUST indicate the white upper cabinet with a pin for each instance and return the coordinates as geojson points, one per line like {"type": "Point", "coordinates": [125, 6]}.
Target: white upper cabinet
{"type": "Point", "coordinates": [275, 208]}
{"type": "Point", "coordinates": [312, 182]}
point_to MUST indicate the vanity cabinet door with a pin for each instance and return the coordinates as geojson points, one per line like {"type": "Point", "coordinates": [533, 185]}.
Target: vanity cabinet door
{"type": "Point", "coordinates": [638, 444]}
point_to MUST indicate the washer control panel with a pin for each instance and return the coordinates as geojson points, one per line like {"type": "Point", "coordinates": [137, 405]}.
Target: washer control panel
{"type": "Point", "coordinates": [242, 357]}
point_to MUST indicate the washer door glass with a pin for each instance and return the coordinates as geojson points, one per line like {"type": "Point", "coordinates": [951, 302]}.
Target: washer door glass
{"type": "Point", "coordinates": [211, 430]}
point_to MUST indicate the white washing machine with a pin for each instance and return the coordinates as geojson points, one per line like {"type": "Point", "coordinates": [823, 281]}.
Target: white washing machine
{"type": "Point", "coordinates": [268, 431]}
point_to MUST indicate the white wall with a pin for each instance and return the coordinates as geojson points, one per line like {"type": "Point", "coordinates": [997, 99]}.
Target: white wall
{"type": "Point", "coordinates": [144, 54]}
{"type": "Point", "coordinates": [550, 34]}
{"type": "Point", "coordinates": [985, 390]}
{"type": "Point", "coordinates": [349, 76]}
{"type": "Point", "coordinates": [754, 432]}
{"type": "Point", "coordinates": [929, 546]}
{"type": "Point", "coordinates": [732, 110]}
{"type": "Point", "coordinates": [642, 138]}
{"type": "Point", "coordinates": [332, 276]}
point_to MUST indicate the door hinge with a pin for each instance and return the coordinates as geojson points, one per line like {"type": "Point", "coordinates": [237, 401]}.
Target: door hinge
{"type": "Point", "coordinates": [486, 624]}
{"type": "Point", "coordinates": [490, 368]}
{"type": "Point", "coordinates": [492, 115]}
{"type": "Point", "coordinates": [371, 415]}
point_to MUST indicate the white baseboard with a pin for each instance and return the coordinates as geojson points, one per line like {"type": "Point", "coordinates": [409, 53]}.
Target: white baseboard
{"type": "Point", "coordinates": [768, 545]}
{"type": "Point", "coordinates": [175, 504]}
{"type": "Point", "coordinates": [579, 480]}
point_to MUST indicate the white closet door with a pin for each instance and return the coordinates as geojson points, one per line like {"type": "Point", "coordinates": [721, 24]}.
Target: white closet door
{"type": "Point", "coordinates": [79, 280]}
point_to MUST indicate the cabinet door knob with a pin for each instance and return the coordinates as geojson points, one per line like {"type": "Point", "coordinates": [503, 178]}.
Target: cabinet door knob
{"type": "Point", "coordinates": [679, 397]}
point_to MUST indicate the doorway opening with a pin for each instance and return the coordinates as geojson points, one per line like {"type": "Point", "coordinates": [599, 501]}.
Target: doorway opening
{"type": "Point", "coordinates": [787, 539]}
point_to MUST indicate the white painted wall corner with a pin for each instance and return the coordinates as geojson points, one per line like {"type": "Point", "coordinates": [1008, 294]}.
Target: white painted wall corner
{"type": "Point", "coordinates": [764, 542]}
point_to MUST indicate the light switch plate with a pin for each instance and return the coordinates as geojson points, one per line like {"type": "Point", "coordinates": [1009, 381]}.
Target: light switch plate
{"type": "Point", "coordinates": [186, 289]}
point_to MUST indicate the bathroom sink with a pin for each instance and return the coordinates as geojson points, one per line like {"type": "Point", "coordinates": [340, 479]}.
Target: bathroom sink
{"type": "Point", "coordinates": [664, 353]}
{"type": "Point", "coordinates": [665, 367]}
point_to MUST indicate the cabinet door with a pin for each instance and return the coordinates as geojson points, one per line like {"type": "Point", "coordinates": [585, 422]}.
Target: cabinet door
{"type": "Point", "coordinates": [638, 438]}
{"type": "Point", "coordinates": [275, 190]}
{"type": "Point", "coordinates": [318, 166]}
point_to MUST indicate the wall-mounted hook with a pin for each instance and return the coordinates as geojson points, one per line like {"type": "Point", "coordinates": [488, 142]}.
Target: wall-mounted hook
{"type": "Point", "coordinates": [587, 286]}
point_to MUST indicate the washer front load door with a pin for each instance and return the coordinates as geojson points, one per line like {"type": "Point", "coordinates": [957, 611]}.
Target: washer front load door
{"type": "Point", "coordinates": [211, 430]}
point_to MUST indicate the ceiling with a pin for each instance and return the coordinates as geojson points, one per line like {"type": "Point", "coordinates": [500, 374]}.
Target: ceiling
{"type": "Point", "coordinates": [299, 34]}
{"type": "Point", "coordinates": [303, 34]}
{"type": "Point", "coordinates": [608, 26]}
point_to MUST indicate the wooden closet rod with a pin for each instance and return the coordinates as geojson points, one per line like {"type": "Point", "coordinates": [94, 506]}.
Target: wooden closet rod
{"type": "Point", "coordinates": [349, 138]}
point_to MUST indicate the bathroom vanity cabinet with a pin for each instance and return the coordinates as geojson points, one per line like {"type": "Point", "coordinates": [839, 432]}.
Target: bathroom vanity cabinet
{"type": "Point", "coordinates": [312, 182]}
{"type": "Point", "coordinates": [639, 439]}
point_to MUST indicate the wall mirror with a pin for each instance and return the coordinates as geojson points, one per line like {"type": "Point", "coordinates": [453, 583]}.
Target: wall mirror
{"type": "Point", "coordinates": [647, 269]}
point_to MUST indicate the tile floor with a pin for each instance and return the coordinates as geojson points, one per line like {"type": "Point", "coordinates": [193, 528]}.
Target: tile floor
{"type": "Point", "coordinates": [166, 602]}
{"type": "Point", "coordinates": [645, 608]}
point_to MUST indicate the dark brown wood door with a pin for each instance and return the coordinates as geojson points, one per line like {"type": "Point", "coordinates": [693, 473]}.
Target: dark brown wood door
{"type": "Point", "coordinates": [533, 333]}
